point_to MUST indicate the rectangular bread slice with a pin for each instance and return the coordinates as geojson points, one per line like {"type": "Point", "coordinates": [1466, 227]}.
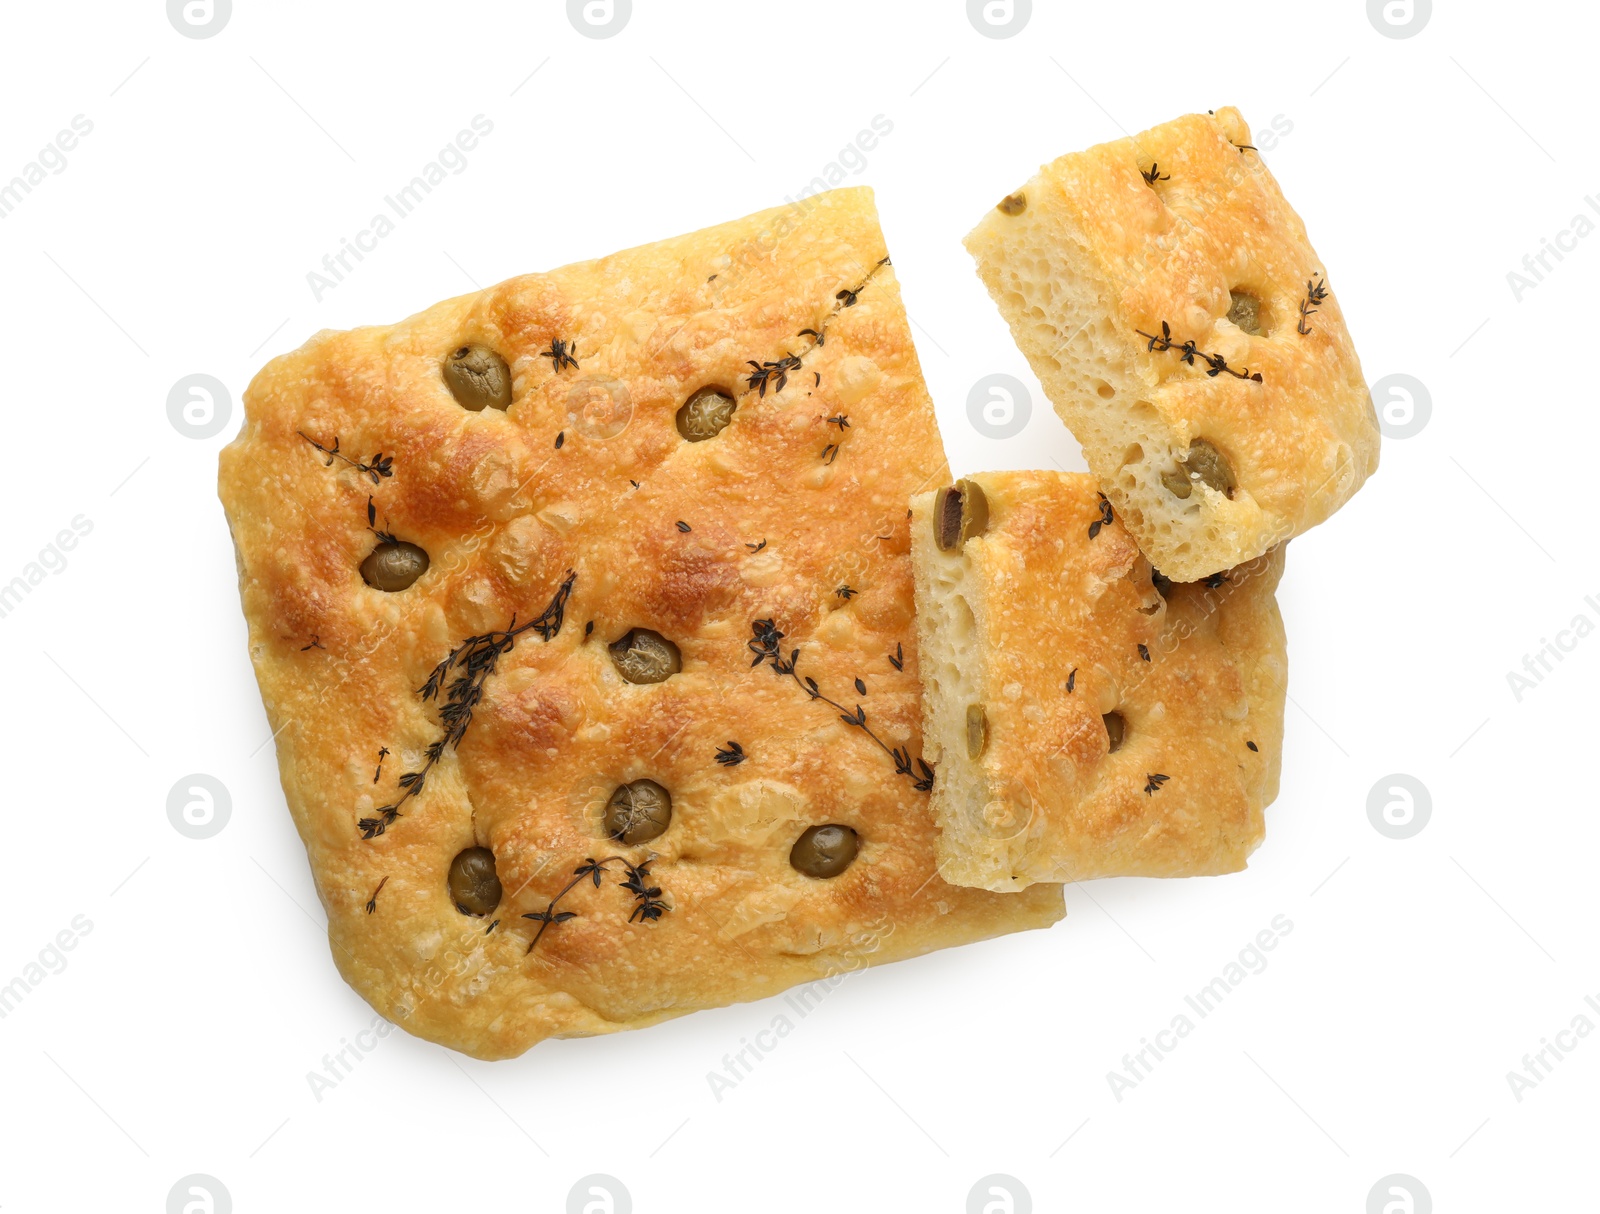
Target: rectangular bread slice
{"type": "Point", "coordinates": [669, 754]}
{"type": "Point", "coordinates": [1087, 717]}
{"type": "Point", "coordinates": [1169, 301]}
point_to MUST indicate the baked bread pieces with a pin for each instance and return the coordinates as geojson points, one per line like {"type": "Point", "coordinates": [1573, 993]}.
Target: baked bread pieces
{"type": "Point", "coordinates": [1173, 309]}
{"type": "Point", "coordinates": [1088, 717]}
{"type": "Point", "coordinates": [582, 612]}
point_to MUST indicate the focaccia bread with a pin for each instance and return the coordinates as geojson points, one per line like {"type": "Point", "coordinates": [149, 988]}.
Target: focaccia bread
{"type": "Point", "coordinates": [582, 612]}
{"type": "Point", "coordinates": [1088, 717]}
{"type": "Point", "coordinates": [1169, 301]}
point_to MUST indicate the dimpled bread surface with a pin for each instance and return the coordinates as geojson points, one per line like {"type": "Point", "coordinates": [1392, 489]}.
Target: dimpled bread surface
{"type": "Point", "coordinates": [1089, 260]}
{"type": "Point", "coordinates": [784, 516]}
{"type": "Point", "coordinates": [1040, 621]}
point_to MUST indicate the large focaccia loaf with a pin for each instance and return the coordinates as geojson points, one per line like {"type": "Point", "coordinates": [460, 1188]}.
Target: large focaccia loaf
{"type": "Point", "coordinates": [1089, 718]}
{"type": "Point", "coordinates": [1169, 301]}
{"type": "Point", "coordinates": [772, 553]}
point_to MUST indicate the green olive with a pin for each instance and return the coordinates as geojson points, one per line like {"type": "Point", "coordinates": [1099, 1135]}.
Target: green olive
{"type": "Point", "coordinates": [960, 511]}
{"type": "Point", "coordinates": [642, 656]}
{"type": "Point", "coordinates": [1116, 729]}
{"type": "Point", "coordinates": [1013, 204]}
{"type": "Point", "coordinates": [478, 377]}
{"type": "Point", "coordinates": [638, 812]}
{"type": "Point", "coordinates": [977, 731]}
{"type": "Point", "coordinates": [706, 414]}
{"type": "Point", "coordinates": [1210, 466]}
{"type": "Point", "coordinates": [394, 565]}
{"type": "Point", "coordinates": [1202, 463]}
{"type": "Point", "coordinates": [1244, 310]}
{"type": "Point", "coordinates": [474, 885]}
{"type": "Point", "coordinates": [824, 851]}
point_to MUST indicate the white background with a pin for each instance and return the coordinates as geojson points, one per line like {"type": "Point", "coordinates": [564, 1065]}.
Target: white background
{"type": "Point", "coordinates": [177, 240]}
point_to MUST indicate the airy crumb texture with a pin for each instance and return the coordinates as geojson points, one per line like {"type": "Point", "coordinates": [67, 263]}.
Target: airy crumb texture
{"type": "Point", "coordinates": [1166, 295]}
{"type": "Point", "coordinates": [1120, 729]}
{"type": "Point", "coordinates": [694, 528]}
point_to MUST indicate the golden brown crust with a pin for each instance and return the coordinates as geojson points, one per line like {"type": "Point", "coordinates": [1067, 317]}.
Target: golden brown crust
{"type": "Point", "coordinates": [1048, 604]}
{"type": "Point", "coordinates": [503, 513]}
{"type": "Point", "coordinates": [1100, 259]}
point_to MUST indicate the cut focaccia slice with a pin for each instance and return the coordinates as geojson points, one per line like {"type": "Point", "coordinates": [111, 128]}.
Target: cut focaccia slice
{"type": "Point", "coordinates": [637, 530]}
{"type": "Point", "coordinates": [1087, 716]}
{"type": "Point", "coordinates": [1169, 301]}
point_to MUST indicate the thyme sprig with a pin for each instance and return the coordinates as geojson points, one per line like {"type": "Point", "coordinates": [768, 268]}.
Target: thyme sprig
{"type": "Point", "coordinates": [372, 902]}
{"type": "Point", "coordinates": [776, 371]}
{"type": "Point", "coordinates": [561, 354]}
{"type": "Point", "coordinates": [1154, 175]}
{"type": "Point", "coordinates": [1316, 292]}
{"type": "Point", "coordinates": [732, 756]}
{"type": "Point", "coordinates": [1187, 352]}
{"type": "Point", "coordinates": [1105, 519]}
{"type": "Point", "coordinates": [1154, 782]}
{"type": "Point", "coordinates": [649, 908]}
{"type": "Point", "coordinates": [472, 662]}
{"type": "Point", "coordinates": [766, 644]}
{"type": "Point", "coordinates": [378, 467]}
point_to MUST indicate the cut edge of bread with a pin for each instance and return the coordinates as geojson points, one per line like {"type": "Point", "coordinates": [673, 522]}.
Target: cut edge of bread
{"type": "Point", "coordinates": [954, 675]}
{"type": "Point", "coordinates": [1041, 278]}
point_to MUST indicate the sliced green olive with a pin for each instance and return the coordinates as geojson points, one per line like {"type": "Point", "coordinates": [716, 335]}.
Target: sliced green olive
{"type": "Point", "coordinates": [474, 885]}
{"type": "Point", "coordinates": [1202, 463]}
{"type": "Point", "coordinates": [824, 851]}
{"type": "Point", "coordinates": [1013, 204]}
{"type": "Point", "coordinates": [960, 511]}
{"type": "Point", "coordinates": [1244, 310]}
{"type": "Point", "coordinates": [706, 414]}
{"type": "Point", "coordinates": [394, 565]}
{"type": "Point", "coordinates": [1210, 466]}
{"type": "Point", "coordinates": [1116, 729]}
{"type": "Point", "coordinates": [977, 731]}
{"type": "Point", "coordinates": [638, 812]}
{"type": "Point", "coordinates": [642, 656]}
{"type": "Point", "coordinates": [478, 378]}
